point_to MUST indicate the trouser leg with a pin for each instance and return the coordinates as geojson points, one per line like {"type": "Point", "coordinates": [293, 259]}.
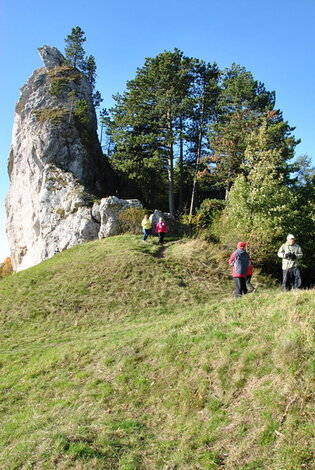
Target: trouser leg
{"type": "Point", "coordinates": [297, 280]}
{"type": "Point", "coordinates": [243, 285]}
{"type": "Point", "coordinates": [238, 291]}
{"type": "Point", "coordinates": [286, 282]}
{"type": "Point", "coordinates": [249, 284]}
{"type": "Point", "coordinates": [240, 286]}
{"type": "Point", "coordinates": [146, 233]}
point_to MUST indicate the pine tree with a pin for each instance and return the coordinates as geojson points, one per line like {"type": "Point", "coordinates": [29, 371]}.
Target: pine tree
{"type": "Point", "coordinates": [89, 68]}
{"type": "Point", "coordinates": [204, 94]}
{"type": "Point", "coordinates": [147, 120]}
{"type": "Point", "coordinates": [241, 106]}
{"type": "Point", "coordinates": [74, 51]}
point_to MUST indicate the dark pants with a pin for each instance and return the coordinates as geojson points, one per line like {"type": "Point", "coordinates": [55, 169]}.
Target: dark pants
{"type": "Point", "coordinates": [240, 286]}
{"type": "Point", "coordinates": [146, 233]}
{"type": "Point", "coordinates": [161, 237]}
{"type": "Point", "coordinates": [291, 279]}
{"type": "Point", "coordinates": [249, 284]}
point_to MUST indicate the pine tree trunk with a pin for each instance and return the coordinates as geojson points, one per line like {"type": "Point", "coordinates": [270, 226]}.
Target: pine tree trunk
{"type": "Point", "coordinates": [170, 172]}
{"type": "Point", "coordinates": [198, 157]}
{"type": "Point", "coordinates": [181, 170]}
{"type": "Point", "coordinates": [194, 189]}
{"type": "Point", "coordinates": [170, 164]}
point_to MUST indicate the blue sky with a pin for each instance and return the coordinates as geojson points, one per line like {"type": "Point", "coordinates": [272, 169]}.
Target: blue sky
{"type": "Point", "coordinates": [273, 39]}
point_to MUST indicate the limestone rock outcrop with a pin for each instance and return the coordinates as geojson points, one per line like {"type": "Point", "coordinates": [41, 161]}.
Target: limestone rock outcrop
{"type": "Point", "coordinates": [107, 213]}
{"type": "Point", "coordinates": [56, 166]}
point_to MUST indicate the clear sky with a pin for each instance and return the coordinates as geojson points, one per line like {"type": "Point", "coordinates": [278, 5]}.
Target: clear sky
{"type": "Point", "coordinates": [273, 39]}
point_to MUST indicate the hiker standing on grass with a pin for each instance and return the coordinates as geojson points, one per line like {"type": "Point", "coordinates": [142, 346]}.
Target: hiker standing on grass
{"type": "Point", "coordinates": [291, 253]}
{"type": "Point", "coordinates": [161, 229]}
{"type": "Point", "coordinates": [146, 226]}
{"type": "Point", "coordinates": [239, 259]}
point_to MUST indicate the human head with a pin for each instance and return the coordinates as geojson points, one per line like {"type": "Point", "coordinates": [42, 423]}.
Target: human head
{"type": "Point", "coordinates": [291, 239]}
{"type": "Point", "coordinates": [161, 219]}
{"type": "Point", "coordinates": [241, 245]}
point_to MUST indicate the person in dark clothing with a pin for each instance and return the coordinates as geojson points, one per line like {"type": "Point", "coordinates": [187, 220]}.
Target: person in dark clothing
{"type": "Point", "coordinates": [239, 259]}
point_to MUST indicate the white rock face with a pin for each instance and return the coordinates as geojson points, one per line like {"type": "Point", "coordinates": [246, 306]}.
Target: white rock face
{"type": "Point", "coordinates": [48, 215]}
{"type": "Point", "coordinates": [56, 166]}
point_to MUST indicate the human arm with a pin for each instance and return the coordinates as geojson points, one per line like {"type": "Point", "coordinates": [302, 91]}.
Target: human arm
{"type": "Point", "coordinates": [299, 253]}
{"type": "Point", "coordinates": [281, 252]}
{"type": "Point", "coordinates": [232, 259]}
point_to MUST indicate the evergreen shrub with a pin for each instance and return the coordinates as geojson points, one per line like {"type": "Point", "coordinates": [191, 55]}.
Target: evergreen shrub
{"type": "Point", "coordinates": [205, 214]}
{"type": "Point", "coordinates": [130, 220]}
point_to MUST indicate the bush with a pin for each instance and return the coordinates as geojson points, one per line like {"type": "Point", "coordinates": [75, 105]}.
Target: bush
{"type": "Point", "coordinates": [205, 215]}
{"type": "Point", "coordinates": [6, 268]}
{"type": "Point", "coordinates": [208, 211]}
{"type": "Point", "coordinates": [260, 214]}
{"type": "Point", "coordinates": [130, 220]}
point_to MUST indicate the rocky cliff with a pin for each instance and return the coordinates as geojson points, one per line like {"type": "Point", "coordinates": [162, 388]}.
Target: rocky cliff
{"type": "Point", "coordinates": [58, 173]}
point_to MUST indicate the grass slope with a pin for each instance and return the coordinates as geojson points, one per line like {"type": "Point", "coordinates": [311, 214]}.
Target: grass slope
{"type": "Point", "coordinates": [114, 358]}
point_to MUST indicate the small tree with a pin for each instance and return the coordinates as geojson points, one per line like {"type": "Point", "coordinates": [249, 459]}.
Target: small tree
{"type": "Point", "coordinates": [6, 268]}
{"type": "Point", "coordinates": [261, 207]}
{"type": "Point", "coordinates": [74, 51]}
{"type": "Point", "coordinates": [89, 68]}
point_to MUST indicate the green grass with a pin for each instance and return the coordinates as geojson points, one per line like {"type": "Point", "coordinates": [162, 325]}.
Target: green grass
{"type": "Point", "coordinates": [114, 358]}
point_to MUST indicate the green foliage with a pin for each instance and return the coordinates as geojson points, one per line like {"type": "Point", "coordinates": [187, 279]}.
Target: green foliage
{"type": "Point", "coordinates": [150, 122]}
{"type": "Point", "coordinates": [81, 111]}
{"type": "Point", "coordinates": [61, 81]}
{"type": "Point", "coordinates": [184, 111]}
{"type": "Point", "coordinates": [208, 211]}
{"type": "Point", "coordinates": [74, 51]}
{"type": "Point", "coordinates": [56, 115]}
{"type": "Point", "coordinates": [89, 68]}
{"type": "Point", "coordinates": [130, 220]}
{"type": "Point", "coordinates": [57, 86]}
{"type": "Point", "coordinates": [61, 78]}
{"type": "Point", "coordinates": [261, 209]}
{"type": "Point", "coordinates": [242, 106]}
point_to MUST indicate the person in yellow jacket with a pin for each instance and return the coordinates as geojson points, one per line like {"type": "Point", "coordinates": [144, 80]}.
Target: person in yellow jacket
{"type": "Point", "coordinates": [146, 226]}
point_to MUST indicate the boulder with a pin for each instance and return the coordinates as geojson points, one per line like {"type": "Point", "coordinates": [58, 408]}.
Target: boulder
{"type": "Point", "coordinates": [109, 210]}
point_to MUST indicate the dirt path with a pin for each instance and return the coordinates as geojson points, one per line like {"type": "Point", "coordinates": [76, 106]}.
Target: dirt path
{"type": "Point", "coordinates": [161, 253]}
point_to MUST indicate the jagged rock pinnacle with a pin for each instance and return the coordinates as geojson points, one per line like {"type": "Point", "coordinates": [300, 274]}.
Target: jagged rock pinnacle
{"type": "Point", "coordinates": [51, 57]}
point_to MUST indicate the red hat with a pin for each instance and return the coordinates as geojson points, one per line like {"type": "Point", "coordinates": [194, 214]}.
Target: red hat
{"type": "Point", "coordinates": [241, 245]}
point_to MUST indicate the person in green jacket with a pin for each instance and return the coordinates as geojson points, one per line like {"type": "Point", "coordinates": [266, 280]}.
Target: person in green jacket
{"type": "Point", "coordinates": [146, 227]}
{"type": "Point", "coordinates": [291, 253]}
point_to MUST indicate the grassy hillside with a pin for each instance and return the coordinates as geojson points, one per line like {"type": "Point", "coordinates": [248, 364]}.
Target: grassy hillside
{"type": "Point", "coordinates": [115, 355]}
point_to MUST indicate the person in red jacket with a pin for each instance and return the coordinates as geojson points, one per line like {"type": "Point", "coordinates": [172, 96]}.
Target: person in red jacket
{"type": "Point", "coordinates": [239, 259]}
{"type": "Point", "coordinates": [161, 229]}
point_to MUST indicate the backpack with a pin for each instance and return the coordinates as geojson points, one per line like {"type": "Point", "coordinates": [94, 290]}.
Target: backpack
{"type": "Point", "coordinates": [241, 262]}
